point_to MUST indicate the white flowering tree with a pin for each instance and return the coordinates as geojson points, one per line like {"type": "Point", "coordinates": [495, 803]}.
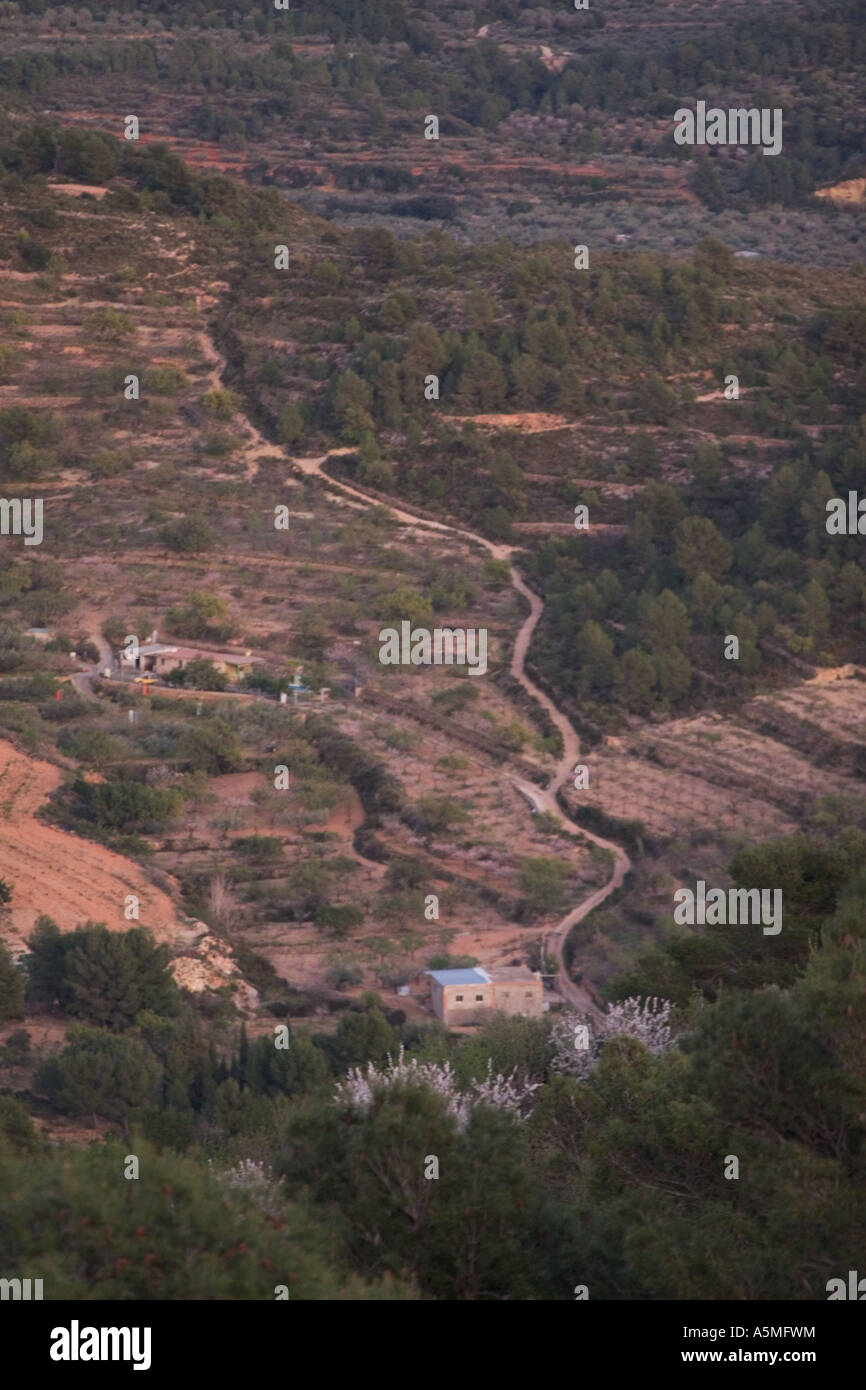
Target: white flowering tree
{"type": "Point", "coordinates": [504, 1092]}
{"type": "Point", "coordinates": [252, 1180]}
{"type": "Point", "coordinates": [578, 1039]}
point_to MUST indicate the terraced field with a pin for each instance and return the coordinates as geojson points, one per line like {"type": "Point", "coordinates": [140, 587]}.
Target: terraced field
{"type": "Point", "coordinates": [61, 875]}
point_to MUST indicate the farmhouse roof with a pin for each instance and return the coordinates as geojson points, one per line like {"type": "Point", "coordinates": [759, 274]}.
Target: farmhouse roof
{"type": "Point", "coordinates": [192, 653]}
{"type": "Point", "coordinates": [505, 973]}
{"type": "Point", "coordinates": [473, 976]}
{"type": "Point", "coordinates": [234, 658]}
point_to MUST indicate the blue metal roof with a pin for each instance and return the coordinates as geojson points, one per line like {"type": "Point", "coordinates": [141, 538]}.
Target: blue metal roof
{"type": "Point", "coordinates": [472, 976]}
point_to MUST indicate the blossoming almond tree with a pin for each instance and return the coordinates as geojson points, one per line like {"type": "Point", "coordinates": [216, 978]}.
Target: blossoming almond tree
{"type": "Point", "coordinates": [503, 1092]}
{"type": "Point", "coordinates": [253, 1179]}
{"type": "Point", "coordinates": [578, 1040]}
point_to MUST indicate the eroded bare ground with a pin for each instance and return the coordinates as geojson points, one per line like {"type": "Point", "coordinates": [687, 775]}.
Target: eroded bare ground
{"type": "Point", "coordinates": [59, 874]}
{"type": "Point", "coordinates": [74, 881]}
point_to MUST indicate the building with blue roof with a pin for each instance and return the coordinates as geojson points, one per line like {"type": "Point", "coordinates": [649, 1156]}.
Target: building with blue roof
{"type": "Point", "coordinates": [471, 976]}
{"type": "Point", "coordinates": [473, 994]}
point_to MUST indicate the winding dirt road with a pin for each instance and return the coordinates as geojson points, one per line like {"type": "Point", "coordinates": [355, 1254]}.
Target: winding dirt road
{"type": "Point", "coordinates": [542, 800]}
{"type": "Point", "coordinates": [82, 680]}
{"type": "Point", "coordinates": [255, 448]}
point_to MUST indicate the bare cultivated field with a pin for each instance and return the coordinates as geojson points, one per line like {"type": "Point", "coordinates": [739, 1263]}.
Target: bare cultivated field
{"type": "Point", "coordinates": [53, 872]}
{"type": "Point", "coordinates": [719, 773]}
{"type": "Point", "coordinates": [529, 422]}
{"type": "Point", "coordinates": [837, 706]}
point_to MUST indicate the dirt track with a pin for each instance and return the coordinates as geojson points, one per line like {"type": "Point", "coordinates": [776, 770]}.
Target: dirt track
{"type": "Point", "coordinates": [577, 996]}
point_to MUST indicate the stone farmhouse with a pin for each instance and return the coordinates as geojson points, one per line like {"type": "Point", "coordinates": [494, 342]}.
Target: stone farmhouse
{"type": "Point", "coordinates": [160, 658]}
{"type": "Point", "coordinates": [472, 994]}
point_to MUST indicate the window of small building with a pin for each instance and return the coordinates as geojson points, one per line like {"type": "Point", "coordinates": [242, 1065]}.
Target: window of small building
{"type": "Point", "coordinates": [479, 998]}
{"type": "Point", "coordinates": [529, 994]}
{"type": "Point", "coordinates": [459, 998]}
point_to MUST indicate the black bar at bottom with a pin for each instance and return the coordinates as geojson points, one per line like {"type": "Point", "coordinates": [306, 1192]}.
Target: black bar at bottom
{"type": "Point", "coordinates": [283, 1337]}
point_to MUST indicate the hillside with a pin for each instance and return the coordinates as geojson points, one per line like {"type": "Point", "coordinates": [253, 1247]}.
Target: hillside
{"type": "Point", "coordinates": [281, 376]}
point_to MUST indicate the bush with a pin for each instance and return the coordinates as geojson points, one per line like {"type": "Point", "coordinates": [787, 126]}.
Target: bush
{"type": "Point", "coordinates": [109, 325]}
{"type": "Point", "coordinates": [94, 747]}
{"type": "Point", "coordinates": [12, 640]}
{"type": "Point", "coordinates": [20, 424]}
{"type": "Point", "coordinates": [431, 207]}
{"type": "Point", "coordinates": [201, 674]}
{"type": "Point", "coordinates": [34, 255]}
{"type": "Point", "coordinates": [290, 426]}
{"type": "Point", "coordinates": [18, 1134]}
{"type": "Point", "coordinates": [260, 847]}
{"type": "Point", "coordinates": [125, 805]}
{"type": "Point", "coordinates": [339, 919]}
{"type": "Point", "coordinates": [406, 873]}
{"type": "Point", "coordinates": [222, 402]}
{"type": "Point", "coordinates": [188, 535]}
{"type": "Point", "coordinates": [22, 688]}
{"type": "Point", "coordinates": [433, 815]}
{"type": "Point", "coordinates": [17, 1047]}
{"type": "Point", "coordinates": [456, 696]}
{"type": "Point", "coordinates": [343, 976]}
{"type": "Point", "coordinates": [211, 746]}
{"type": "Point", "coordinates": [11, 361]}
{"type": "Point", "coordinates": [542, 880]}
{"type": "Point", "coordinates": [165, 381]}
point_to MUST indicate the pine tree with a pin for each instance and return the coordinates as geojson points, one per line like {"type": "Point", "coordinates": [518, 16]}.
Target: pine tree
{"type": "Point", "coordinates": [707, 185]}
{"type": "Point", "coordinates": [46, 963]}
{"type": "Point", "coordinates": [243, 1056]}
{"type": "Point", "coordinates": [12, 982]}
{"type": "Point", "coordinates": [114, 976]}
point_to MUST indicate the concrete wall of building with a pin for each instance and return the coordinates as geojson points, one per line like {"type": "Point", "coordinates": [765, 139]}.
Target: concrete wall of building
{"type": "Point", "coordinates": [466, 1003]}
{"type": "Point", "coordinates": [166, 663]}
{"type": "Point", "coordinates": [467, 1013]}
{"type": "Point", "coordinates": [436, 999]}
{"type": "Point", "coordinates": [518, 997]}
{"type": "Point", "coordinates": [525, 997]}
